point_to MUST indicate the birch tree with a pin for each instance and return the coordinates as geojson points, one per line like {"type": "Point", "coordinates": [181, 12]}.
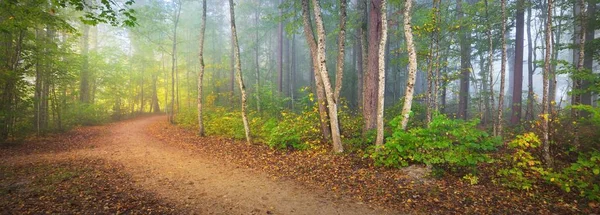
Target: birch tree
{"type": "Point", "coordinates": [322, 71]}
{"type": "Point", "coordinates": [381, 90]}
{"type": "Point", "coordinates": [502, 72]}
{"type": "Point", "coordinates": [339, 75]}
{"type": "Point", "coordinates": [238, 71]}
{"type": "Point", "coordinates": [201, 72]}
{"type": "Point", "coordinates": [412, 64]}
{"type": "Point", "coordinates": [545, 108]}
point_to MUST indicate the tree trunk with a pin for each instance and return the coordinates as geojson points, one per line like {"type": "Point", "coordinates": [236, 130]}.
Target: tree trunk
{"type": "Point", "coordinates": [518, 70]}
{"type": "Point", "coordinates": [280, 52]}
{"type": "Point", "coordinates": [173, 63]}
{"type": "Point", "coordinates": [322, 102]}
{"type": "Point", "coordinates": [238, 69]}
{"type": "Point", "coordinates": [381, 90]}
{"type": "Point", "coordinates": [371, 80]}
{"type": "Point", "coordinates": [588, 60]}
{"type": "Point", "coordinates": [201, 72]}
{"type": "Point", "coordinates": [502, 73]}
{"type": "Point", "coordinates": [339, 75]}
{"type": "Point", "coordinates": [84, 87]}
{"type": "Point", "coordinates": [530, 69]}
{"type": "Point", "coordinates": [256, 56]}
{"type": "Point", "coordinates": [465, 64]}
{"type": "Point", "coordinates": [331, 105]}
{"type": "Point", "coordinates": [155, 103]}
{"type": "Point", "coordinates": [545, 113]}
{"type": "Point", "coordinates": [412, 65]}
{"type": "Point", "coordinates": [362, 59]}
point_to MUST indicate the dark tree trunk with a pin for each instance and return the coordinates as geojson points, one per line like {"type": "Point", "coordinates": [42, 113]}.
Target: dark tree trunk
{"type": "Point", "coordinates": [588, 60]}
{"type": "Point", "coordinates": [371, 78]}
{"type": "Point", "coordinates": [518, 70]}
{"type": "Point", "coordinates": [465, 64]}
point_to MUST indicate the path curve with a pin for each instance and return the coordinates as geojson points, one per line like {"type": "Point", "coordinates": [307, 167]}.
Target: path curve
{"type": "Point", "coordinates": [200, 184]}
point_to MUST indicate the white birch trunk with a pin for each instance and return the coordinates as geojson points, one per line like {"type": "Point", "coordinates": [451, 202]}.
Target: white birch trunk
{"type": "Point", "coordinates": [412, 64]}
{"type": "Point", "coordinates": [381, 89]}
{"type": "Point", "coordinates": [238, 72]}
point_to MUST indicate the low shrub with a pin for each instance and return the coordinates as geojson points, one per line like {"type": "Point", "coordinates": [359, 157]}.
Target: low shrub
{"type": "Point", "coordinates": [447, 143]}
{"type": "Point", "coordinates": [522, 170]}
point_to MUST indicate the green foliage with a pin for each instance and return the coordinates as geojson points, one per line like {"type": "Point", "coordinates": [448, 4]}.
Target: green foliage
{"type": "Point", "coordinates": [446, 143]}
{"type": "Point", "coordinates": [298, 131]}
{"type": "Point", "coordinates": [582, 176]}
{"type": "Point", "coordinates": [224, 123]}
{"type": "Point", "coordinates": [85, 114]}
{"type": "Point", "coordinates": [523, 169]}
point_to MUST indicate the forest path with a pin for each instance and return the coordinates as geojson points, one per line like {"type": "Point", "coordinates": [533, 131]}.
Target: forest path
{"type": "Point", "coordinates": [196, 183]}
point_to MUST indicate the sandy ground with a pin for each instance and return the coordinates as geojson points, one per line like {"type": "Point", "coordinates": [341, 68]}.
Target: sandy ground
{"type": "Point", "coordinates": [197, 183]}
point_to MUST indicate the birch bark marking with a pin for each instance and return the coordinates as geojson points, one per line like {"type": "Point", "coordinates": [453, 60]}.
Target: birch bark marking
{"type": "Point", "coordinates": [340, 59]}
{"type": "Point", "coordinates": [331, 105]}
{"type": "Point", "coordinates": [412, 64]}
{"type": "Point", "coordinates": [201, 72]}
{"type": "Point", "coordinates": [381, 90]}
{"type": "Point", "coordinates": [238, 71]}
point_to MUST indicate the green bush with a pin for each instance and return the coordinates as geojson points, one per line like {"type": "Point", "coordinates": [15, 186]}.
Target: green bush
{"type": "Point", "coordinates": [84, 114]}
{"type": "Point", "coordinates": [522, 169]}
{"type": "Point", "coordinates": [446, 143]}
{"type": "Point", "coordinates": [298, 131]}
{"type": "Point", "coordinates": [582, 175]}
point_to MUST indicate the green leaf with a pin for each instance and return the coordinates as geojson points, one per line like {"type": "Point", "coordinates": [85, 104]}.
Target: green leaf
{"type": "Point", "coordinates": [596, 171]}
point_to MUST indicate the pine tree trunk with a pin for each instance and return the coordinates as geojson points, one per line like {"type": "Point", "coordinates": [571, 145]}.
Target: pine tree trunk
{"type": "Point", "coordinates": [412, 65]}
{"type": "Point", "coordinates": [238, 69]}
{"type": "Point", "coordinates": [201, 72]}
{"type": "Point", "coordinates": [518, 69]}
{"type": "Point", "coordinates": [371, 83]}
{"type": "Point", "coordinates": [465, 64]}
{"type": "Point", "coordinates": [381, 90]}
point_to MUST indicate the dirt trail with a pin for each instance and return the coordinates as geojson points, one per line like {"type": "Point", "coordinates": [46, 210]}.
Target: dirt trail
{"type": "Point", "coordinates": [199, 184]}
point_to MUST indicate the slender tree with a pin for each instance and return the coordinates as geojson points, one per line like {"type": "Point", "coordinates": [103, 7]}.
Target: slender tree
{"type": "Point", "coordinates": [238, 69]}
{"type": "Point", "coordinates": [412, 65]}
{"type": "Point", "coordinates": [530, 68]}
{"type": "Point", "coordinates": [331, 105]}
{"type": "Point", "coordinates": [201, 72]}
{"type": "Point", "coordinates": [381, 90]}
{"type": "Point", "coordinates": [174, 63]}
{"type": "Point", "coordinates": [340, 59]}
{"type": "Point", "coordinates": [545, 113]}
{"type": "Point", "coordinates": [502, 72]}
{"type": "Point", "coordinates": [319, 88]}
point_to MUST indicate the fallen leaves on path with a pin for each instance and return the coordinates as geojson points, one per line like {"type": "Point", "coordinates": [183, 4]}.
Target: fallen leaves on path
{"type": "Point", "coordinates": [352, 175]}
{"type": "Point", "coordinates": [74, 187]}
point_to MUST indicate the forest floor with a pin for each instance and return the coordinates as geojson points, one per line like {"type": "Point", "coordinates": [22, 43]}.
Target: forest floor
{"type": "Point", "coordinates": [145, 165]}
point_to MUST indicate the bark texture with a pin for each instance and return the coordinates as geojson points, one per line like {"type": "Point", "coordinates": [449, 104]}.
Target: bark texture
{"type": "Point", "coordinates": [381, 90]}
{"type": "Point", "coordinates": [412, 65]}
{"type": "Point", "coordinates": [201, 72]}
{"type": "Point", "coordinates": [238, 72]}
